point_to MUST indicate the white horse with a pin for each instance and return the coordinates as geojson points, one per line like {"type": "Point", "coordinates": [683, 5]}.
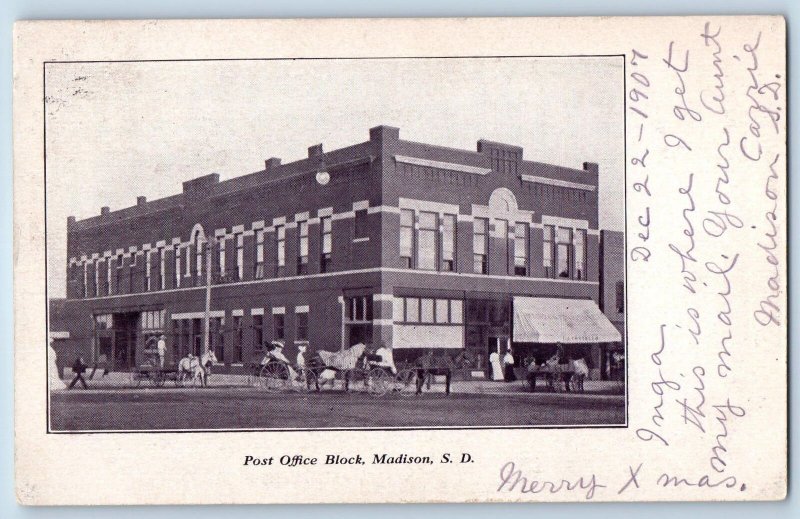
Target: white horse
{"type": "Point", "coordinates": [192, 368]}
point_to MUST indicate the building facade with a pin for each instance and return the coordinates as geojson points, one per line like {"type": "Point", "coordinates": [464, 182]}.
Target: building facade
{"type": "Point", "coordinates": [412, 245]}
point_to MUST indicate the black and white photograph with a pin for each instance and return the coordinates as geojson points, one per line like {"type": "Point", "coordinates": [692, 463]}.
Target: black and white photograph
{"type": "Point", "coordinates": [382, 243]}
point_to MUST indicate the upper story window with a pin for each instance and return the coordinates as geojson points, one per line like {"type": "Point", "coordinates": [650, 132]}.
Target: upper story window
{"type": "Point", "coordinates": [280, 232]}
{"type": "Point", "coordinates": [176, 259]}
{"type": "Point", "coordinates": [325, 226]}
{"type": "Point", "coordinates": [259, 267]}
{"type": "Point", "coordinates": [221, 256]}
{"type": "Point", "coordinates": [426, 241]}
{"type": "Point", "coordinates": [548, 251]}
{"type": "Point", "coordinates": [449, 242]}
{"type": "Point", "coordinates": [96, 265]}
{"type": "Point", "coordinates": [480, 245]}
{"type": "Point", "coordinates": [199, 254]}
{"type": "Point", "coordinates": [521, 237]}
{"type": "Point", "coordinates": [119, 262]}
{"type": "Point", "coordinates": [162, 271]}
{"type": "Point", "coordinates": [108, 276]}
{"type": "Point", "coordinates": [361, 224]}
{"type": "Point", "coordinates": [239, 255]}
{"type": "Point", "coordinates": [580, 253]}
{"type": "Point", "coordinates": [502, 233]}
{"type": "Point", "coordinates": [147, 266]}
{"type": "Point", "coordinates": [407, 237]}
{"type": "Point", "coordinates": [302, 247]}
{"type": "Point", "coordinates": [564, 252]}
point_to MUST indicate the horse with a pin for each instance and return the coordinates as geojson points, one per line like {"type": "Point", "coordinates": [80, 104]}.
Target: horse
{"type": "Point", "coordinates": [191, 367]}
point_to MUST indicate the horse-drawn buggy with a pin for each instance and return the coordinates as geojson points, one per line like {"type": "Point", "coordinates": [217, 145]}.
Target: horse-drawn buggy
{"type": "Point", "coordinates": [352, 370]}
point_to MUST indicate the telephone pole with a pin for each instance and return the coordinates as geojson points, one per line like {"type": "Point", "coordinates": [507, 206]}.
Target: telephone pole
{"type": "Point", "coordinates": [207, 317]}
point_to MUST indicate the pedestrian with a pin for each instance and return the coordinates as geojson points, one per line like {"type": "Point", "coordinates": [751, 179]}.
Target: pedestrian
{"type": "Point", "coordinates": [79, 368]}
{"type": "Point", "coordinates": [161, 349]}
{"type": "Point", "coordinates": [508, 366]}
{"type": "Point", "coordinates": [494, 362]}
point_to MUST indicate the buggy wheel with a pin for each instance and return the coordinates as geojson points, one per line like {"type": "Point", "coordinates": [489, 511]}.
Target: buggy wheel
{"type": "Point", "coordinates": [274, 377]}
{"type": "Point", "coordinates": [378, 381]}
{"type": "Point", "coordinates": [157, 378]}
{"type": "Point", "coordinates": [136, 378]}
{"type": "Point", "coordinates": [405, 382]}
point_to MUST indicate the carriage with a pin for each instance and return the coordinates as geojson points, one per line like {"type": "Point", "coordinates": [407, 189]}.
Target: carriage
{"type": "Point", "coordinates": [350, 369]}
{"type": "Point", "coordinates": [157, 376]}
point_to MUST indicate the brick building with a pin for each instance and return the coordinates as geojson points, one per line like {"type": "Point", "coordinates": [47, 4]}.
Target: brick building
{"type": "Point", "coordinates": [413, 245]}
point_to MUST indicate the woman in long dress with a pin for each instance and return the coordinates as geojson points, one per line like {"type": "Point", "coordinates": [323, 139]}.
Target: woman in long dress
{"type": "Point", "coordinates": [508, 366]}
{"type": "Point", "coordinates": [497, 368]}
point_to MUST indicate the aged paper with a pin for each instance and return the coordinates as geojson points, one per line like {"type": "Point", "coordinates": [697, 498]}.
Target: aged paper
{"type": "Point", "coordinates": [497, 260]}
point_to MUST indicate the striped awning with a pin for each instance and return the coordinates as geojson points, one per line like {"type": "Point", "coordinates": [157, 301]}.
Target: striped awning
{"type": "Point", "coordinates": [565, 321]}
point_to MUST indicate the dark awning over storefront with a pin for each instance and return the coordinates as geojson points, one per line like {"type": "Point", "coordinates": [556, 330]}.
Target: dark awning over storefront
{"type": "Point", "coordinates": [566, 321]}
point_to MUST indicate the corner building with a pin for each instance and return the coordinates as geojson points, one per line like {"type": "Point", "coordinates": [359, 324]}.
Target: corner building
{"type": "Point", "coordinates": [387, 241]}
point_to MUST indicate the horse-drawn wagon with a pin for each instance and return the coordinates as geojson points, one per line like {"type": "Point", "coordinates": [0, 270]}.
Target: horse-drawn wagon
{"type": "Point", "coordinates": [189, 371]}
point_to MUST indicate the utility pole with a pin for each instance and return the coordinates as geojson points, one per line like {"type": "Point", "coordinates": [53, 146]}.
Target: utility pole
{"type": "Point", "coordinates": [207, 317]}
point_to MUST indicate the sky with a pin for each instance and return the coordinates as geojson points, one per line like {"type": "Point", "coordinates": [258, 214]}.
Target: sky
{"type": "Point", "coordinates": [116, 131]}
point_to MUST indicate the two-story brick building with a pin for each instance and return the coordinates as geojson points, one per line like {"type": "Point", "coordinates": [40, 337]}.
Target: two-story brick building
{"type": "Point", "coordinates": [413, 245]}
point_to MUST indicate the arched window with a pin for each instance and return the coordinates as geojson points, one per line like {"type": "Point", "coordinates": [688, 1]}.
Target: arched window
{"type": "Point", "coordinates": [198, 241]}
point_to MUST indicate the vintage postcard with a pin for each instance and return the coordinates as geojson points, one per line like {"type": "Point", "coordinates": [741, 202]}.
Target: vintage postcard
{"type": "Point", "coordinates": [475, 260]}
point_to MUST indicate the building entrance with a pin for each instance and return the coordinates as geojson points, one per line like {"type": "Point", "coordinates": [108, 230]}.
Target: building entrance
{"type": "Point", "coordinates": [126, 326]}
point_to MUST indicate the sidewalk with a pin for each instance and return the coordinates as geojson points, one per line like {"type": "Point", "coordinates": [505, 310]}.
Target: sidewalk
{"type": "Point", "coordinates": [593, 389]}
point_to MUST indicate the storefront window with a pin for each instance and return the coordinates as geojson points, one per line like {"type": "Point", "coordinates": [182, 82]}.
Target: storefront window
{"type": "Point", "coordinates": [442, 311]}
{"type": "Point", "coordinates": [426, 310]}
{"type": "Point", "coordinates": [398, 309]}
{"type": "Point", "coordinates": [412, 310]}
{"type": "Point", "coordinates": [258, 331]}
{"type": "Point", "coordinates": [301, 326]}
{"type": "Point", "coordinates": [278, 326]}
{"type": "Point", "coordinates": [456, 311]}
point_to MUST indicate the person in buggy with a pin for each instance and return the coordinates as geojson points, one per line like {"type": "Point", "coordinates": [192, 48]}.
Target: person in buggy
{"type": "Point", "coordinates": [275, 354]}
{"type": "Point", "coordinates": [382, 358]}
